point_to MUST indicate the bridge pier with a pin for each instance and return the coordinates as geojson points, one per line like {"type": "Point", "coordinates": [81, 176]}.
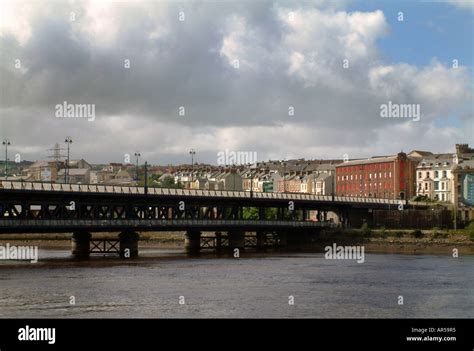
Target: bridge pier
{"type": "Point", "coordinates": [80, 244]}
{"type": "Point", "coordinates": [299, 240]}
{"type": "Point", "coordinates": [261, 240]}
{"type": "Point", "coordinates": [282, 239]}
{"type": "Point", "coordinates": [128, 244]}
{"type": "Point", "coordinates": [236, 239]}
{"type": "Point", "coordinates": [192, 242]}
{"type": "Point", "coordinates": [218, 242]}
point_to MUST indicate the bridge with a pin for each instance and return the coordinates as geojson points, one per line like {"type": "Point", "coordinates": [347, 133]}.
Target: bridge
{"type": "Point", "coordinates": [281, 218]}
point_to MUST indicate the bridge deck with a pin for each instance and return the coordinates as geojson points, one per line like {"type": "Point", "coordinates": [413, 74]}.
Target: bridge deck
{"type": "Point", "coordinates": [133, 190]}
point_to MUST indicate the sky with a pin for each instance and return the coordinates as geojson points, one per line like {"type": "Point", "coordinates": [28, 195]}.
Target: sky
{"type": "Point", "coordinates": [283, 79]}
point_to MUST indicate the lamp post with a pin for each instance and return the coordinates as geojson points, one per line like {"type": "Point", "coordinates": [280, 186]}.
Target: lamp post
{"type": "Point", "coordinates": [192, 152]}
{"type": "Point", "coordinates": [68, 141]}
{"type": "Point", "coordinates": [6, 142]}
{"type": "Point", "coordinates": [146, 177]}
{"type": "Point", "coordinates": [137, 156]}
{"type": "Point", "coordinates": [234, 172]}
{"type": "Point", "coordinates": [251, 180]}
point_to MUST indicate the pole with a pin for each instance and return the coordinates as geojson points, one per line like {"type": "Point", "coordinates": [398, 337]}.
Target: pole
{"type": "Point", "coordinates": [6, 142]}
{"type": "Point", "coordinates": [68, 141]}
{"type": "Point", "coordinates": [137, 155]}
{"type": "Point", "coordinates": [251, 182]}
{"type": "Point", "coordinates": [67, 165]}
{"type": "Point", "coordinates": [192, 152]}
{"type": "Point", "coordinates": [146, 177]}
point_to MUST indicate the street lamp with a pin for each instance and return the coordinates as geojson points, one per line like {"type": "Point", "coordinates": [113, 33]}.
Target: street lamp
{"type": "Point", "coordinates": [192, 152]}
{"type": "Point", "coordinates": [68, 141]}
{"type": "Point", "coordinates": [234, 172]}
{"type": "Point", "coordinates": [251, 179]}
{"type": "Point", "coordinates": [137, 155]}
{"type": "Point", "coordinates": [6, 142]}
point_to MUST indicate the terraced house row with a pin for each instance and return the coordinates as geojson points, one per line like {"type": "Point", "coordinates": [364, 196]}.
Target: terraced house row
{"type": "Point", "coordinates": [446, 178]}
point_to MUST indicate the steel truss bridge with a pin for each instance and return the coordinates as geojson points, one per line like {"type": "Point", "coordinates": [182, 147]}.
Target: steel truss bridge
{"type": "Point", "coordinates": [48, 207]}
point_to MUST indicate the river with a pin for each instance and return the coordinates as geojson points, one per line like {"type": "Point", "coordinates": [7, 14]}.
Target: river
{"type": "Point", "coordinates": [164, 283]}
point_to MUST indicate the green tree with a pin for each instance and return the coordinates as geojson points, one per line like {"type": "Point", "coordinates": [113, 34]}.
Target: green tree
{"type": "Point", "coordinates": [250, 213]}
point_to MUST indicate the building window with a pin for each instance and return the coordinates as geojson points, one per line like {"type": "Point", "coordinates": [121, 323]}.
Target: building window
{"type": "Point", "coordinates": [419, 175]}
{"type": "Point", "coordinates": [436, 174]}
{"type": "Point", "coordinates": [445, 174]}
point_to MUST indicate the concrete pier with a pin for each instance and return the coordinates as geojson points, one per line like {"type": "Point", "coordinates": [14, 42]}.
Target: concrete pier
{"type": "Point", "coordinates": [261, 240]}
{"type": "Point", "coordinates": [299, 240]}
{"type": "Point", "coordinates": [218, 242]}
{"type": "Point", "coordinates": [80, 244]}
{"type": "Point", "coordinates": [128, 244]}
{"type": "Point", "coordinates": [192, 242]}
{"type": "Point", "coordinates": [236, 239]}
{"type": "Point", "coordinates": [282, 237]}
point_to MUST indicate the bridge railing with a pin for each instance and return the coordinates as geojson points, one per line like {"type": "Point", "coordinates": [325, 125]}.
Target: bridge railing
{"type": "Point", "coordinates": [158, 223]}
{"type": "Point", "coordinates": [119, 189]}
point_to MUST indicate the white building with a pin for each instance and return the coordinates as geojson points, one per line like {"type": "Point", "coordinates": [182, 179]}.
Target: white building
{"type": "Point", "coordinates": [434, 177]}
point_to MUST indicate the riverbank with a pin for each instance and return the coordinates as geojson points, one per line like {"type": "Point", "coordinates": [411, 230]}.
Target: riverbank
{"type": "Point", "coordinates": [389, 241]}
{"type": "Point", "coordinates": [402, 241]}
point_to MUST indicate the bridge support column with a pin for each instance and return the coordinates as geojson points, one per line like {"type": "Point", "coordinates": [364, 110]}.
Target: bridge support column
{"type": "Point", "coordinates": [299, 239]}
{"type": "Point", "coordinates": [128, 244]}
{"type": "Point", "coordinates": [218, 241]}
{"type": "Point", "coordinates": [261, 240]}
{"type": "Point", "coordinates": [236, 239]}
{"type": "Point", "coordinates": [192, 242]}
{"type": "Point", "coordinates": [80, 244]}
{"type": "Point", "coordinates": [282, 239]}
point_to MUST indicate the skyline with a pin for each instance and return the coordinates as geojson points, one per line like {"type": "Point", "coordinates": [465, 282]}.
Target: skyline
{"type": "Point", "coordinates": [224, 158]}
{"type": "Point", "coordinates": [290, 94]}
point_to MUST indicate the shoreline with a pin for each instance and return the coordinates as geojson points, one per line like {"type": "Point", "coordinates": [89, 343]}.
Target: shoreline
{"type": "Point", "coordinates": [403, 241]}
{"type": "Point", "coordinates": [373, 245]}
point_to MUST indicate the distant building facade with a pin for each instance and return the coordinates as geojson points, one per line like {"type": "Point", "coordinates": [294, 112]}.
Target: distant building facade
{"type": "Point", "coordinates": [386, 177]}
{"type": "Point", "coordinates": [434, 177]}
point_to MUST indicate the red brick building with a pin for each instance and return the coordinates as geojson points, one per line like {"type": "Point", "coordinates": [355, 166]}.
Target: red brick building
{"type": "Point", "coordinates": [390, 177]}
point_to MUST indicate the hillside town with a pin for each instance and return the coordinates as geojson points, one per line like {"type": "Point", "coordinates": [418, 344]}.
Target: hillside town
{"type": "Point", "coordinates": [447, 179]}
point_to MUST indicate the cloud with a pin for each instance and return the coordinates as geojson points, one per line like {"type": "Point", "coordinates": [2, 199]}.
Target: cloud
{"type": "Point", "coordinates": [316, 58]}
{"type": "Point", "coordinates": [463, 4]}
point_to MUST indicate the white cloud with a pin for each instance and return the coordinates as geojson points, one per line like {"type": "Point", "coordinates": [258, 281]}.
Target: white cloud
{"type": "Point", "coordinates": [463, 4]}
{"type": "Point", "coordinates": [288, 56]}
